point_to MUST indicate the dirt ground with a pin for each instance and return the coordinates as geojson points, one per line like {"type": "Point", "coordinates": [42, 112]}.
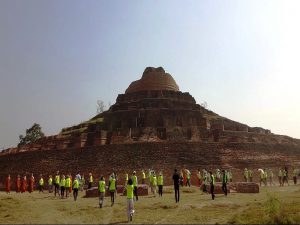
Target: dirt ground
{"type": "Point", "coordinates": [272, 205]}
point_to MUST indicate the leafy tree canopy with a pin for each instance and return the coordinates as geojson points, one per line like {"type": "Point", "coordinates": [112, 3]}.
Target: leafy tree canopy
{"type": "Point", "coordinates": [32, 134]}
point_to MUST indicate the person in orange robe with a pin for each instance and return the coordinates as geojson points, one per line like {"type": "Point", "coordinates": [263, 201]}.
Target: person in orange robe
{"type": "Point", "coordinates": [24, 185]}
{"type": "Point", "coordinates": [7, 184]}
{"type": "Point", "coordinates": [31, 183]}
{"type": "Point", "coordinates": [70, 183]}
{"type": "Point", "coordinates": [18, 184]}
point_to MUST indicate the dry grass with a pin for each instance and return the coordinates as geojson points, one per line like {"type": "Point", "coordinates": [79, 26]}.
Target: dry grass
{"type": "Point", "coordinates": [281, 205]}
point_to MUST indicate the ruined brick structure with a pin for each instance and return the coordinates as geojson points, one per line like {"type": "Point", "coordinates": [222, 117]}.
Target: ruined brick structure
{"type": "Point", "coordinates": [152, 112]}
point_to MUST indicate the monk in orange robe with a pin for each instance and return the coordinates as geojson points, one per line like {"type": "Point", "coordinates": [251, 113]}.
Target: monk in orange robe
{"type": "Point", "coordinates": [18, 184]}
{"type": "Point", "coordinates": [31, 183]}
{"type": "Point", "coordinates": [7, 184]}
{"type": "Point", "coordinates": [24, 184]}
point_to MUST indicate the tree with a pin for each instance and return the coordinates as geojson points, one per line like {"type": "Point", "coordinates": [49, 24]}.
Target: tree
{"type": "Point", "coordinates": [32, 134]}
{"type": "Point", "coordinates": [100, 106]}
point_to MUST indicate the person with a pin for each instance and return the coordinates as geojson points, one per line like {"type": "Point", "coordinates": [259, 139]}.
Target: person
{"type": "Point", "coordinates": [7, 184]}
{"type": "Point", "coordinates": [199, 176]}
{"type": "Point", "coordinates": [56, 184]}
{"type": "Point", "coordinates": [91, 180]}
{"type": "Point", "coordinates": [176, 180]}
{"type": "Point", "coordinates": [181, 178]}
{"type": "Point", "coordinates": [154, 184]}
{"type": "Point", "coordinates": [67, 185]}
{"type": "Point", "coordinates": [224, 182]}
{"type": "Point", "coordinates": [218, 175]}
{"type": "Point", "coordinates": [31, 183]}
{"type": "Point", "coordinates": [261, 177]}
{"type": "Point", "coordinates": [265, 178]}
{"type": "Point", "coordinates": [246, 175]}
{"type": "Point", "coordinates": [212, 185]}
{"type": "Point", "coordinates": [112, 188]}
{"type": "Point", "coordinates": [116, 191]}
{"type": "Point", "coordinates": [250, 173]}
{"type": "Point", "coordinates": [75, 189]}
{"type": "Point", "coordinates": [130, 203]}
{"type": "Point", "coordinates": [135, 182]}
{"type": "Point", "coordinates": [41, 184]}
{"type": "Point", "coordinates": [271, 176]}
{"type": "Point", "coordinates": [50, 184]}
{"type": "Point", "coordinates": [160, 183]}
{"type": "Point", "coordinates": [188, 178]}
{"type": "Point", "coordinates": [70, 189]}
{"type": "Point", "coordinates": [101, 188]}
{"type": "Point", "coordinates": [143, 177]}
{"type": "Point", "coordinates": [126, 179]}
{"type": "Point", "coordinates": [24, 184]}
{"type": "Point", "coordinates": [18, 184]}
{"type": "Point", "coordinates": [280, 177]}
{"type": "Point", "coordinates": [295, 174]}
{"type": "Point", "coordinates": [62, 186]}
{"type": "Point", "coordinates": [204, 181]}
{"type": "Point", "coordinates": [285, 177]}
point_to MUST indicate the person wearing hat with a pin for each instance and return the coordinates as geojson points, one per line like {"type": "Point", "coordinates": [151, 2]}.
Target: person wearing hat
{"type": "Point", "coordinates": [135, 182]}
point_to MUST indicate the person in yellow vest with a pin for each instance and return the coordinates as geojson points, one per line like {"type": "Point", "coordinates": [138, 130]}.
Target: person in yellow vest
{"type": "Point", "coordinates": [68, 185]}
{"type": "Point", "coordinates": [112, 188]}
{"type": "Point", "coordinates": [101, 188]}
{"type": "Point", "coordinates": [91, 180]}
{"type": "Point", "coordinates": [50, 184]}
{"type": "Point", "coordinates": [160, 183]}
{"type": "Point", "coordinates": [75, 189]}
{"type": "Point", "coordinates": [130, 203]}
{"type": "Point", "coordinates": [143, 177]}
{"type": "Point", "coordinates": [56, 184]}
{"type": "Point", "coordinates": [135, 182]}
{"type": "Point", "coordinates": [62, 186]}
{"type": "Point", "coordinates": [41, 184]}
{"type": "Point", "coordinates": [154, 184]}
{"type": "Point", "coordinates": [212, 185]}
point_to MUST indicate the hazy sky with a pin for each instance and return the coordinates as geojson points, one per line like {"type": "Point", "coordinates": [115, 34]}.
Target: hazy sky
{"type": "Point", "coordinates": [58, 57]}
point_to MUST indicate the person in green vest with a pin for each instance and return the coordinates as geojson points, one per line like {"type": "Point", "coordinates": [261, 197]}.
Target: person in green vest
{"type": "Point", "coordinates": [130, 203]}
{"type": "Point", "coordinates": [75, 189]}
{"type": "Point", "coordinates": [224, 182]}
{"type": "Point", "coordinates": [154, 183]}
{"type": "Point", "coordinates": [160, 183]}
{"type": "Point", "coordinates": [91, 180]}
{"type": "Point", "coordinates": [250, 173]}
{"type": "Point", "coordinates": [212, 185]}
{"type": "Point", "coordinates": [41, 184]}
{"type": "Point", "coordinates": [101, 188]}
{"type": "Point", "coordinates": [188, 178]}
{"type": "Point", "coordinates": [135, 183]}
{"type": "Point", "coordinates": [50, 184]}
{"type": "Point", "coordinates": [62, 186]}
{"type": "Point", "coordinates": [68, 185]}
{"type": "Point", "coordinates": [56, 184]}
{"type": "Point", "coordinates": [112, 188]}
{"type": "Point", "coordinates": [143, 177]}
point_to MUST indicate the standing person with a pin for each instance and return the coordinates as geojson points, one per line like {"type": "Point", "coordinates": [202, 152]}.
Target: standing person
{"type": "Point", "coordinates": [204, 181]}
{"type": "Point", "coordinates": [154, 184]}
{"type": "Point", "coordinates": [50, 184]}
{"type": "Point", "coordinates": [188, 178]}
{"type": "Point", "coordinates": [75, 189]}
{"type": "Point", "coordinates": [295, 174]}
{"type": "Point", "coordinates": [143, 177]}
{"type": "Point", "coordinates": [18, 184]}
{"type": "Point", "coordinates": [68, 185]}
{"type": "Point", "coordinates": [130, 203]}
{"type": "Point", "coordinates": [41, 184]}
{"type": "Point", "coordinates": [151, 181]}
{"type": "Point", "coordinates": [112, 188]}
{"type": "Point", "coordinates": [199, 176]}
{"type": "Point", "coordinates": [56, 184]}
{"type": "Point", "coordinates": [101, 188]}
{"type": "Point", "coordinates": [62, 186]}
{"type": "Point", "coordinates": [250, 173]}
{"type": "Point", "coordinates": [7, 184]}
{"type": "Point", "coordinates": [224, 182]}
{"type": "Point", "coordinates": [246, 175]}
{"type": "Point", "coordinates": [261, 176]}
{"type": "Point", "coordinates": [24, 184]}
{"type": "Point", "coordinates": [280, 176]}
{"type": "Point", "coordinates": [160, 183]}
{"type": "Point", "coordinates": [31, 183]}
{"type": "Point", "coordinates": [135, 182]}
{"type": "Point", "coordinates": [91, 180]}
{"type": "Point", "coordinates": [176, 180]}
{"type": "Point", "coordinates": [212, 185]}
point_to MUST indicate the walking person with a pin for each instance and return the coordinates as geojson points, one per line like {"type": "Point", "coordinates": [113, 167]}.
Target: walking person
{"type": "Point", "coordinates": [160, 183]}
{"type": "Point", "coordinates": [130, 203]}
{"type": "Point", "coordinates": [68, 185]}
{"type": "Point", "coordinates": [135, 182]}
{"type": "Point", "coordinates": [75, 189]}
{"type": "Point", "coordinates": [7, 184]}
{"type": "Point", "coordinates": [176, 180]}
{"type": "Point", "coordinates": [212, 185]}
{"type": "Point", "coordinates": [62, 186]}
{"type": "Point", "coordinates": [50, 184]}
{"type": "Point", "coordinates": [56, 184]}
{"type": "Point", "coordinates": [101, 188]}
{"type": "Point", "coordinates": [112, 188]}
{"type": "Point", "coordinates": [224, 182]}
{"type": "Point", "coordinates": [41, 184]}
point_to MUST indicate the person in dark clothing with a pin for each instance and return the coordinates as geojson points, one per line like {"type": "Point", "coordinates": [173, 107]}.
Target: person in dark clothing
{"type": "Point", "coordinates": [224, 182]}
{"type": "Point", "coordinates": [212, 185]}
{"type": "Point", "coordinates": [176, 180]}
